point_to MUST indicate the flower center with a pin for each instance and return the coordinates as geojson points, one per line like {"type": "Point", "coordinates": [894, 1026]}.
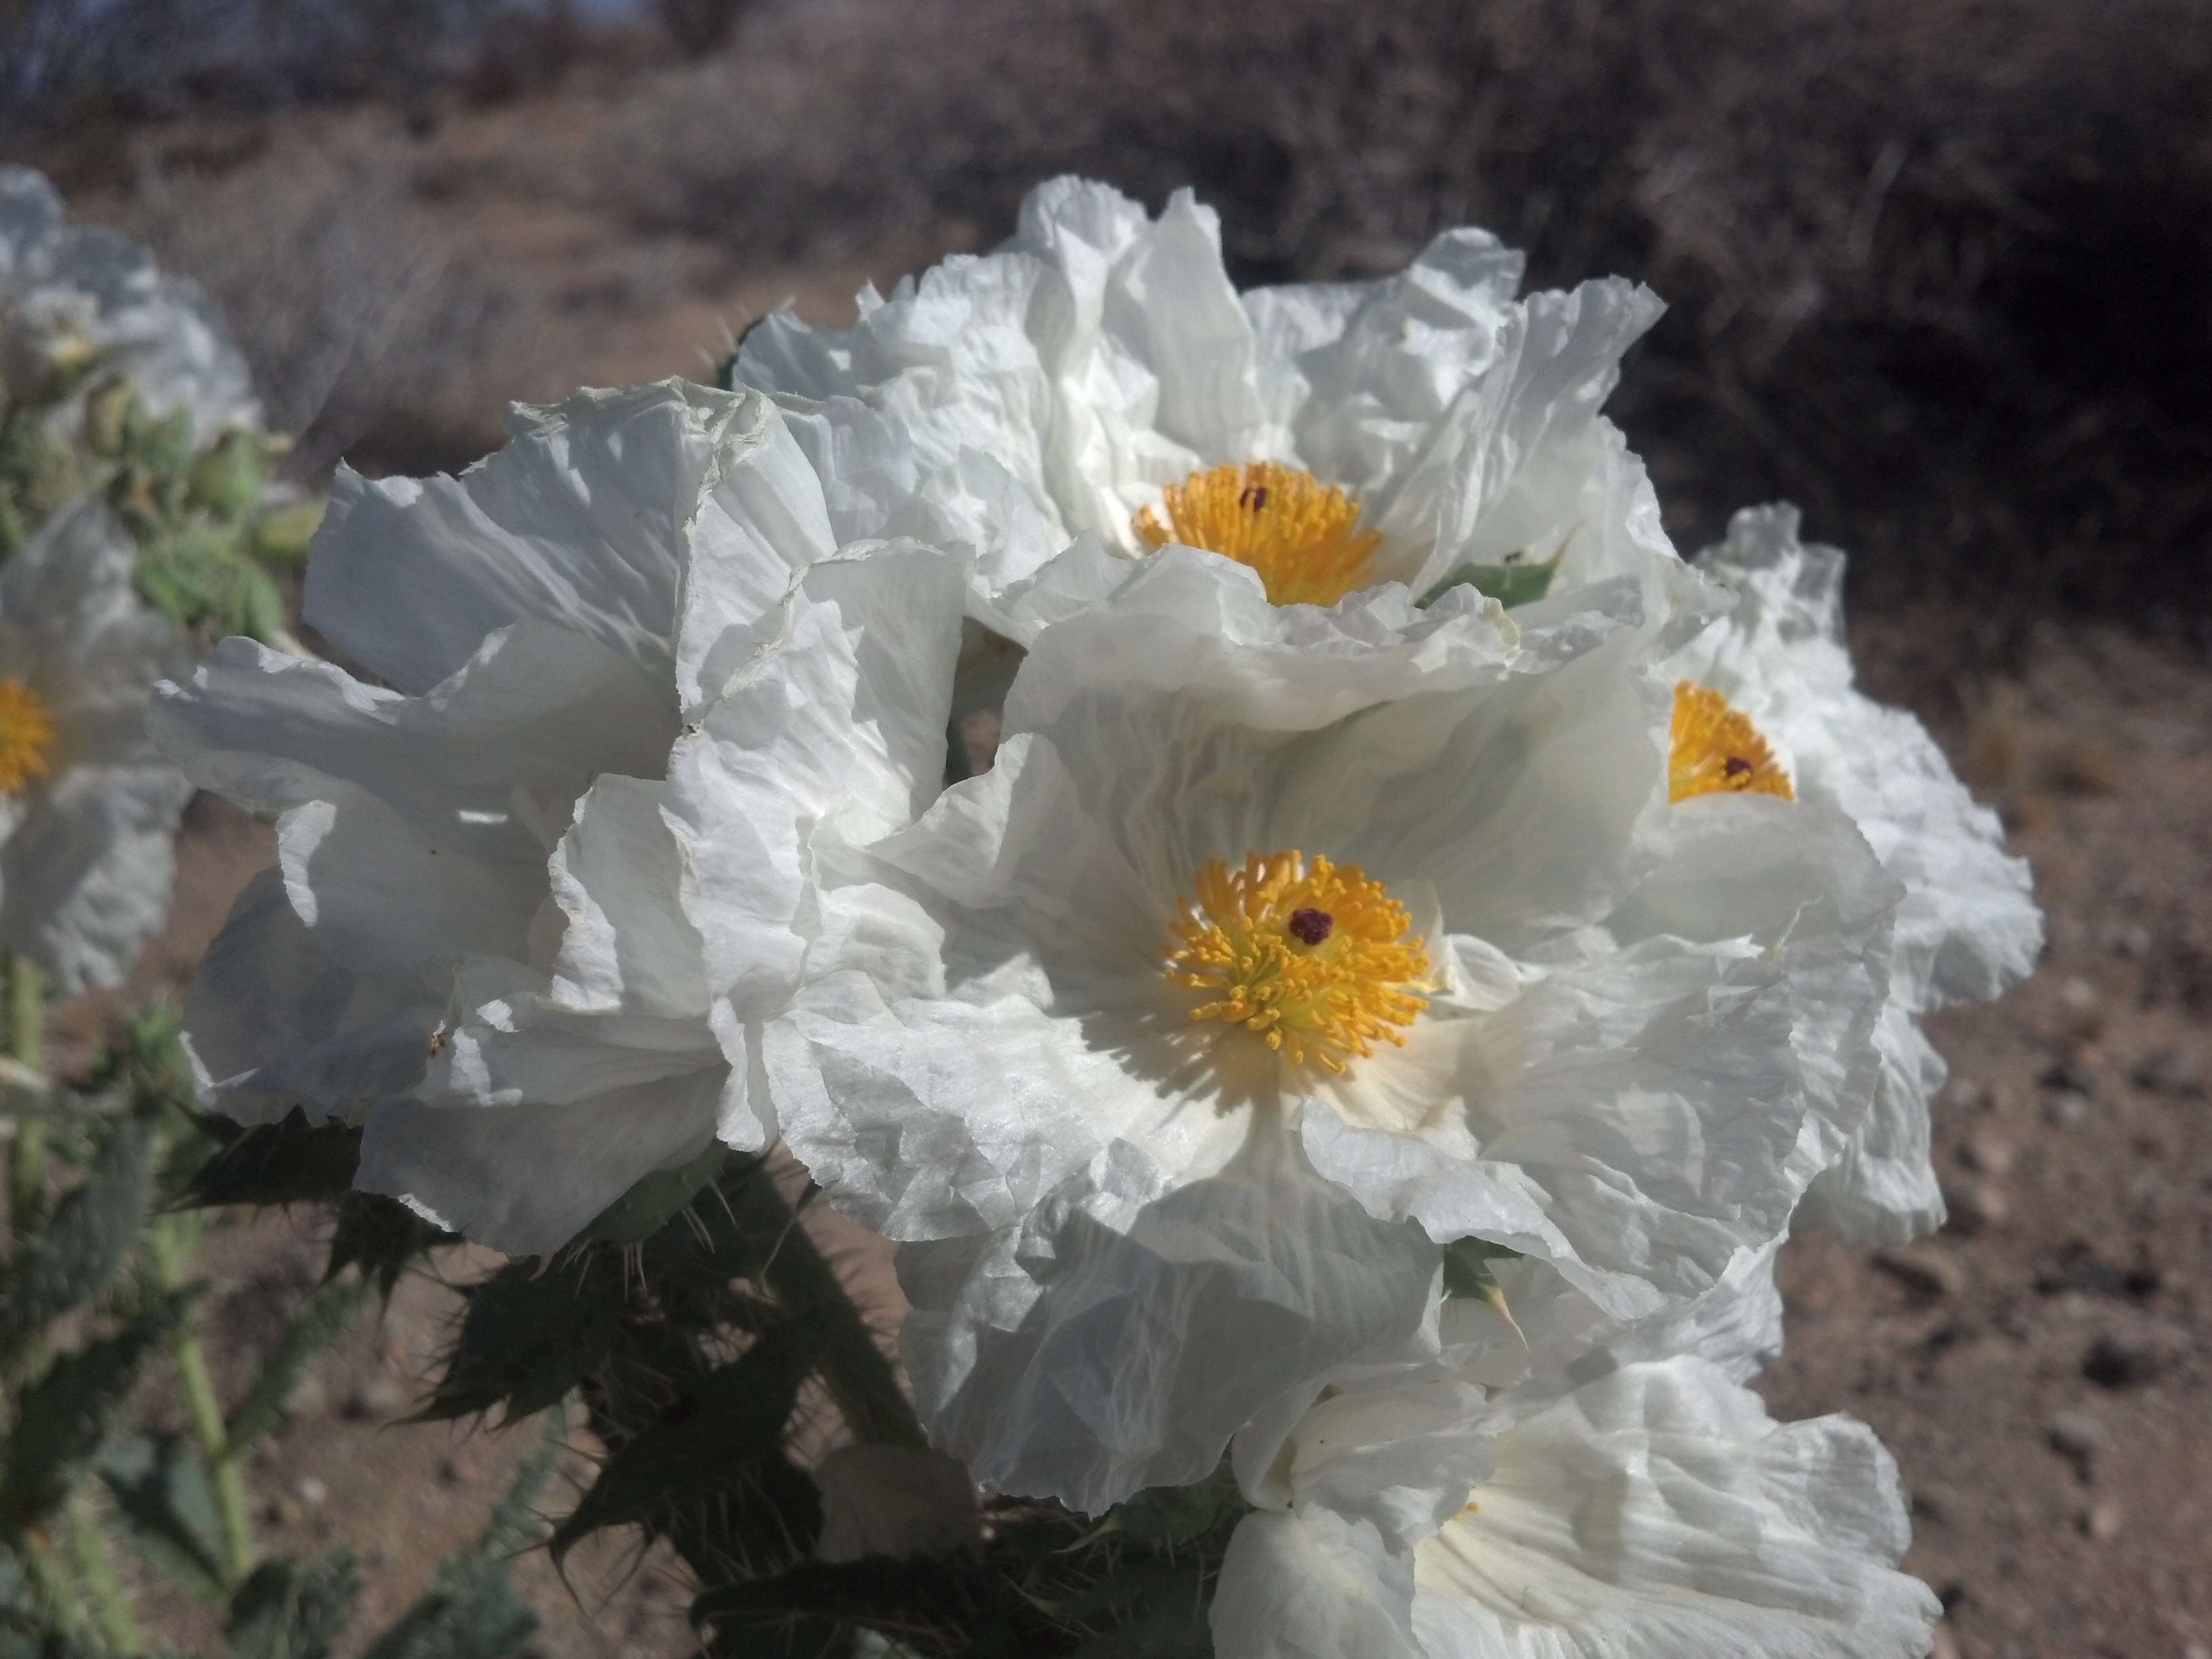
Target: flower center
{"type": "Point", "coordinates": [1715, 750]}
{"type": "Point", "coordinates": [1301, 535]}
{"type": "Point", "coordinates": [26, 736]}
{"type": "Point", "coordinates": [1318, 961]}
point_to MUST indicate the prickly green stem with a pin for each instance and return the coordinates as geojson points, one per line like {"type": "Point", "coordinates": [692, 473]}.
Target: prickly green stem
{"type": "Point", "coordinates": [27, 1154]}
{"type": "Point", "coordinates": [170, 1249]}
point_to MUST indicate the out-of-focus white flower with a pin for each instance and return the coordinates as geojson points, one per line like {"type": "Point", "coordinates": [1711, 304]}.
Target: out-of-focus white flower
{"type": "Point", "coordinates": [1270, 931]}
{"type": "Point", "coordinates": [87, 808]}
{"type": "Point", "coordinates": [1654, 1510]}
{"type": "Point", "coordinates": [533, 900]}
{"type": "Point", "coordinates": [77, 301]}
{"type": "Point", "coordinates": [1097, 387]}
{"type": "Point", "coordinates": [1967, 927]}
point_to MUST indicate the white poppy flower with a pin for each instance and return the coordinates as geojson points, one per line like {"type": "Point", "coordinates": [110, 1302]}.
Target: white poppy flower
{"type": "Point", "coordinates": [1967, 927]}
{"type": "Point", "coordinates": [1655, 1511]}
{"type": "Point", "coordinates": [531, 900]}
{"type": "Point", "coordinates": [1097, 387]}
{"type": "Point", "coordinates": [1271, 930]}
{"type": "Point", "coordinates": [87, 808]}
{"type": "Point", "coordinates": [80, 298]}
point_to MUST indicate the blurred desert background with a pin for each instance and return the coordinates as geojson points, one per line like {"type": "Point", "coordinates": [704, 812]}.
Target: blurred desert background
{"type": "Point", "coordinates": [1939, 270]}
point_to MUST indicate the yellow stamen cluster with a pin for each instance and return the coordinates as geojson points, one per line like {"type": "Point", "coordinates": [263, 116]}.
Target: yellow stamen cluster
{"type": "Point", "coordinates": [1316, 961]}
{"type": "Point", "coordinates": [27, 736]}
{"type": "Point", "coordinates": [1301, 535]}
{"type": "Point", "coordinates": [1715, 750]}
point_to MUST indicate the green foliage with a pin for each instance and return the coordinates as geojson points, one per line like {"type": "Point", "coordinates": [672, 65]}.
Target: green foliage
{"type": "Point", "coordinates": [288, 1162]}
{"type": "Point", "coordinates": [650, 1204]}
{"type": "Point", "coordinates": [167, 1508]}
{"type": "Point", "coordinates": [723, 1434]}
{"type": "Point", "coordinates": [320, 1322]}
{"type": "Point", "coordinates": [1517, 580]}
{"type": "Point", "coordinates": [83, 1244]}
{"type": "Point", "coordinates": [291, 1610]}
{"type": "Point", "coordinates": [1468, 1270]}
{"type": "Point", "coordinates": [381, 1238]}
{"type": "Point", "coordinates": [207, 528]}
{"type": "Point", "coordinates": [63, 1415]}
{"type": "Point", "coordinates": [529, 1338]}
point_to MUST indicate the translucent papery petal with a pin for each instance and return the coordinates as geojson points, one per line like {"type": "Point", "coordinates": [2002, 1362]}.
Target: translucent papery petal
{"type": "Point", "coordinates": [1636, 1112]}
{"type": "Point", "coordinates": [1798, 880]}
{"type": "Point", "coordinates": [838, 722]}
{"type": "Point", "coordinates": [1293, 1587]}
{"type": "Point", "coordinates": [1881, 1189]}
{"type": "Point", "coordinates": [87, 862]}
{"type": "Point", "coordinates": [617, 878]}
{"type": "Point", "coordinates": [1211, 639]}
{"type": "Point", "coordinates": [1359, 371]}
{"type": "Point", "coordinates": [1398, 1455]}
{"type": "Point", "coordinates": [1557, 359]}
{"type": "Point", "coordinates": [880, 483]}
{"type": "Point", "coordinates": [272, 1021]}
{"type": "Point", "coordinates": [1660, 1512]}
{"type": "Point", "coordinates": [416, 827]}
{"type": "Point", "coordinates": [527, 1179]}
{"type": "Point", "coordinates": [1967, 928]}
{"type": "Point", "coordinates": [584, 520]}
{"type": "Point", "coordinates": [944, 1068]}
{"type": "Point", "coordinates": [1117, 1337]}
{"type": "Point", "coordinates": [87, 872]}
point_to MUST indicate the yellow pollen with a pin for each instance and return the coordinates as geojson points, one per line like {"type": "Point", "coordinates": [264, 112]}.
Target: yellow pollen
{"type": "Point", "coordinates": [1301, 535]}
{"type": "Point", "coordinates": [1715, 750]}
{"type": "Point", "coordinates": [27, 736]}
{"type": "Point", "coordinates": [1315, 960]}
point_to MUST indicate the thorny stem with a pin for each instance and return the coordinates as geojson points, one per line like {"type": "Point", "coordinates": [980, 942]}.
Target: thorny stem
{"type": "Point", "coordinates": [96, 1577]}
{"type": "Point", "coordinates": [859, 1376]}
{"type": "Point", "coordinates": [171, 1248]}
{"type": "Point", "coordinates": [27, 1154]}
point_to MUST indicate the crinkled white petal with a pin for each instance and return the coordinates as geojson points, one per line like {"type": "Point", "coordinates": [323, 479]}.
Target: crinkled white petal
{"type": "Point", "coordinates": [160, 331]}
{"type": "Point", "coordinates": [1052, 387]}
{"type": "Point", "coordinates": [526, 1179]}
{"type": "Point", "coordinates": [585, 519]}
{"type": "Point", "coordinates": [1319, 1588]}
{"type": "Point", "coordinates": [87, 860]}
{"type": "Point", "coordinates": [1120, 1335]}
{"type": "Point", "coordinates": [1660, 1512]}
{"type": "Point", "coordinates": [1880, 1189]}
{"type": "Point", "coordinates": [1968, 926]}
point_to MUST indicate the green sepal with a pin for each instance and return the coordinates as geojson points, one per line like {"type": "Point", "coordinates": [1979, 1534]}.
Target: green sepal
{"type": "Point", "coordinates": [228, 476]}
{"type": "Point", "coordinates": [655, 1200]}
{"type": "Point", "coordinates": [1516, 581]}
{"type": "Point", "coordinates": [381, 1238]}
{"type": "Point", "coordinates": [282, 535]}
{"type": "Point", "coordinates": [530, 1337]}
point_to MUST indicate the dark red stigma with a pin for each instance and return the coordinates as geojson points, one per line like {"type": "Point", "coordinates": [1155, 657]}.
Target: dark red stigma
{"type": "Point", "coordinates": [1736, 766]}
{"type": "Point", "coordinates": [1254, 498]}
{"type": "Point", "coordinates": [1311, 926]}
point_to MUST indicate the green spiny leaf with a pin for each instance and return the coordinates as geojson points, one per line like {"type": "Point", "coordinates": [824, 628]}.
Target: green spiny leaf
{"type": "Point", "coordinates": [529, 1337]}
{"type": "Point", "coordinates": [287, 1163]}
{"type": "Point", "coordinates": [650, 1203]}
{"type": "Point", "coordinates": [74, 1257]}
{"type": "Point", "coordinates": [227, 477]}
{"type": "Point", "coordinates": [320, 1321]}
{"type": "Point", "coordinates": [282, 535]}
{"type": "Point", "coordinates": [291, 1610]}
{"type": "Point", "coordinates": [381, 1236]}
{"type": "Point", "coordinates": [62, 1417]}
{"type": "Point", "coordinates": [708, 1442]}
{"type": "Point", "coordinates": [167, 1508]}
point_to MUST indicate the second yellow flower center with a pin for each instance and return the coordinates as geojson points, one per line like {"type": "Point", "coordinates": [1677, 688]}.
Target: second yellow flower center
{"type": "Point", "coordinates": [1714, 750]}
{"type": "Point", "coordinates": [1316, 960]}
{"type": "Point", "coordinates": [1301, 535]}
{"type": "Point", "coordinates": [27, 736]}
